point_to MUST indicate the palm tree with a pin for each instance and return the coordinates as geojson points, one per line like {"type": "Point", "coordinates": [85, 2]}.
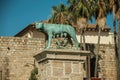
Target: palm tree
{"type": "Point", "coordinates": [83, 10]}
{"type": "Point", "coordinates": [80, 13]}
{"type": "Point", "coordinates": [100, 14]}
{"type": "Point", "coordinates": [105, 7]}
{"type": "Point", "coordinates": [59, 14]}
{"type": "Point", "coordinates": [115, 8]}
{"type": "Point", "coordinates": [118, 53]}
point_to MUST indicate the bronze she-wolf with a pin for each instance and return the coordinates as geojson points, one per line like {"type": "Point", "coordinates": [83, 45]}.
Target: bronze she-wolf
{"type": "Point", "coordinates": [52, 29]}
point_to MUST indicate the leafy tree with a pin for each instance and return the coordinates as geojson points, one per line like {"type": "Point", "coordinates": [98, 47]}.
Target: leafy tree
{"type": "Point", "coordinates": [34, 72]}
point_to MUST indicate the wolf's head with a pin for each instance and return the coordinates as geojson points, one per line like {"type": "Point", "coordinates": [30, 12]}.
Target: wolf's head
{"type": "Point", "coordinates": [38, 25]}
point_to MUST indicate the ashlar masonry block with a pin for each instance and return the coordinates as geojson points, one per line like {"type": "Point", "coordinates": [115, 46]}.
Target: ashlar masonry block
{"type": "Point", "coordinates": [61, 64]}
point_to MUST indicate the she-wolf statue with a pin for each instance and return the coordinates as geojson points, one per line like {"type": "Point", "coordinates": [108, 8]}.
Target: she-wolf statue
{"type": "Point", "coordinates": [52, 29]}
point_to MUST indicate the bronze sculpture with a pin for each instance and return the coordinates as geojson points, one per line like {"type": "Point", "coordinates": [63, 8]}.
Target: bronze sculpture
{"type": "Point", "coordinates": [52, 29]}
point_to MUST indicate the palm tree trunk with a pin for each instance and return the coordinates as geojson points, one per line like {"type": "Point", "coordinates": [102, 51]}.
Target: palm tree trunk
{"type": "Point", "coordinates": [81, 39]}
{"type": "Point", "coordinates": [83, 34]}
{"type": "Point", "coordinates": [88, 56]}
{"type": "Point", "coordinates": [118, 49]}
{"type": "Point", "coordinates": [115, 43]}
{"type": "Point", "coordinates": [97, 52]}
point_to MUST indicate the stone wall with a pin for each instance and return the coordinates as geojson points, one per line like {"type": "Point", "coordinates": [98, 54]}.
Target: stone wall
{"type": "Point", "coordinates": [16, 58]}
{"type": "Point", "coordinates": [62, 70]}
{"type": "Point", "coordinates": [107, 62]}
{"type": "Point", "coordinates": [107, 69]}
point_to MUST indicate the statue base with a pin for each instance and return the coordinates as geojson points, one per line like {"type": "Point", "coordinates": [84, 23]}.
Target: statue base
{"type": "Point", "coordinates": [61, 64]}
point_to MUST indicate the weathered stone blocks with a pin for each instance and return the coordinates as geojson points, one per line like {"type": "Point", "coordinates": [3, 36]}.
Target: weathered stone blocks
{"type": "Point", "coordinates": [61, 64]}
{"type": "Point", "coordinates": [20, 51]}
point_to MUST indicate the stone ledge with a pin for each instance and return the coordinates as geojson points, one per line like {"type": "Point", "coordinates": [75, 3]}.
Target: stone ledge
{"type": "Point", "coordinates": [61, 54]}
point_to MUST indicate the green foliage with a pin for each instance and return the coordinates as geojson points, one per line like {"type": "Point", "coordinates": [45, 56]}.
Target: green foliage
{"type": "Point", "coordinates": [59, 14]}
{"type": "Point", "coordinates": [34, 72]}
{"type": "Point", "coordinates": [65, 14]}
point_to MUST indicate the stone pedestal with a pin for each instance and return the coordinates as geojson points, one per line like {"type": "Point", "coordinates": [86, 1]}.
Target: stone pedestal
{"type": "Point", "coordinates": [61, 64]}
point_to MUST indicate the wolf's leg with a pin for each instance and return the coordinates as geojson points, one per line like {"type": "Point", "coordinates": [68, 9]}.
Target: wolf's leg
{"type": "Point", "coordinates": [49, 40]}
{"type": "Point", "coordinates": [73, 36]}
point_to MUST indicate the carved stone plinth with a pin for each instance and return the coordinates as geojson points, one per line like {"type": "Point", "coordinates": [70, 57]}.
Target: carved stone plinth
{"type": "Point", "coordinates": [61, 64]}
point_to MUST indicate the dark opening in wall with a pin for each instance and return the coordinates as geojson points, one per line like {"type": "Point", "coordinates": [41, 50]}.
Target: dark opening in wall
{"type": "Point", "coordinates": [92, 66]}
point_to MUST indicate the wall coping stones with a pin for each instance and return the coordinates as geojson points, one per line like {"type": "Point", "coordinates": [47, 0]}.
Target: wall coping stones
{"type": "Point", "coordinates": [62, 54]}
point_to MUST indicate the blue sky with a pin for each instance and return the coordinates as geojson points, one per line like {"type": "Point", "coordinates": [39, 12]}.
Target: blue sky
{"type": "Point", "coordinates": [15, 15]}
